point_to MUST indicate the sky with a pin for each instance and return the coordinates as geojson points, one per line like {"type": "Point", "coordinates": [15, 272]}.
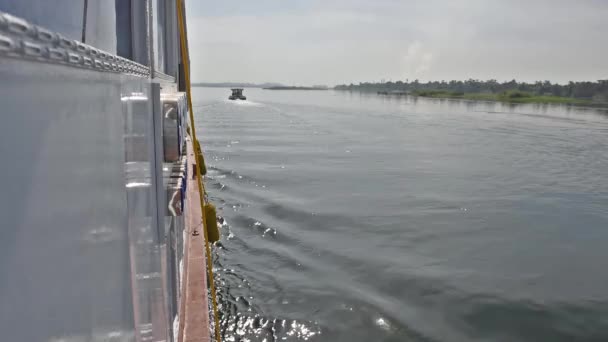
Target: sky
{"type": "Point", "coordinates": [307, 42]}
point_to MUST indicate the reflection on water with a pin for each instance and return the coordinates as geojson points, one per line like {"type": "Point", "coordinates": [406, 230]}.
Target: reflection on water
{"type": "Point", "coordinates": [358, 217]}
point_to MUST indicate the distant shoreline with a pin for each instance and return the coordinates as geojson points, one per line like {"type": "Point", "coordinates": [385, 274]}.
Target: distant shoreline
{"type": "Point", "coordinates": [509, 96]}
{"type": "Point", "coordinates": [505, 97]}
{"type": "Point", "coordinates": [236, 85]}
{"type": "Point", "coordinates": [585, 93]}
{"type": "Point", "coordinates": [295, 88]}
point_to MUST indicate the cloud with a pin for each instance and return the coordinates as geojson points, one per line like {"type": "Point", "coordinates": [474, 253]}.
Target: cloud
{"type": "Point", "coordinates": [340, 41]}
{"type": "Point", "coordinates": [417, 61]}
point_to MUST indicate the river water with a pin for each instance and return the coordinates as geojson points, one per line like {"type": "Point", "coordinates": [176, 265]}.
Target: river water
{"type": "Point", "coordinates": [360, 217]}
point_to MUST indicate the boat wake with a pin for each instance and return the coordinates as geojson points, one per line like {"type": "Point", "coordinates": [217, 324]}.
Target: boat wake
{"type": "Point", "coordinates": [245, 103]}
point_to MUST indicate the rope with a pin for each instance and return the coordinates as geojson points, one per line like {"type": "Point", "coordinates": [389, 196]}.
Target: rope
{"type": "Point", "coordinates": [201, 189]}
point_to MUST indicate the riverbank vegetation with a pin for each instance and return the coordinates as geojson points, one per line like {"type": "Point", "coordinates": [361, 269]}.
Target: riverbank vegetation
{"type": "Point", "coordinates": [492, 90]}
{"type": "Point", "coordinates": [507, 96]}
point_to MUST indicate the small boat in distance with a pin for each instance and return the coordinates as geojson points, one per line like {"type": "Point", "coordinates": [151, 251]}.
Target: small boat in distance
{"type": "Point", "coordinates": [237, 94]}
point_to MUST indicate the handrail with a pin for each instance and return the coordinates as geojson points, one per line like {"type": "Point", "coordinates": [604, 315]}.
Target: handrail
{"type": "Point", "coordinates": [201, 188]}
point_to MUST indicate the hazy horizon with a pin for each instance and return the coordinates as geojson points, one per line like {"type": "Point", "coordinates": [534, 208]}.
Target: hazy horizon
{"type": "Point", "coordinates": [340, 42]}
{"type": "Point", "coordinates": [380, 81]}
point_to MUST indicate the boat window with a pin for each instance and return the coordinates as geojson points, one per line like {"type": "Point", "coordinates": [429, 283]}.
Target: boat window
{"type": "Point", "coordinates": [100, 25]}
{"type": "Point", "coordinates": [158, 34]}
{"type": "Point", "coordinates": [61, 16]}
{"type": "Point", "coordinates": [123, 29]}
